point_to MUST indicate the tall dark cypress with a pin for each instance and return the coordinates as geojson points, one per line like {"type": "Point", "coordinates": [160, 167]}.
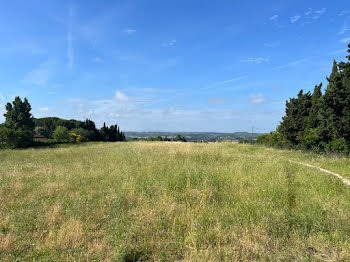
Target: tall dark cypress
{"type": "Point", "coordinates": [345, 118]}
{"type": "Point", "coordinates": [332, 105]}
{"type": "Point", "coordinates": [295, 121]}
{"type": "Point", "coordinates": [313, 119]}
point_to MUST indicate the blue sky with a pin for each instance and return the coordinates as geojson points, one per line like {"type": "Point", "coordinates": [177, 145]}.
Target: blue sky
{"type": "Point", "coordinates": [184, 65]}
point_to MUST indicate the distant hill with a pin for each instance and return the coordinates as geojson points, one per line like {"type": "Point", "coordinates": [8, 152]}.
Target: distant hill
{"type": "Point", "coordinates": [194, 136]}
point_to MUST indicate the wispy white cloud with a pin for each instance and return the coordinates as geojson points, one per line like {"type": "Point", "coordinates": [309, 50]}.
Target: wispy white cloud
{"type": "Point", "coordinates": [345, 40]}
{"type": "Point", "coordinates": [217, 101]}
{"type": "Point", "coordinates": [274, 17]}
{"type": "Point", "coordinates": [257, 60]}
{"type": "Point", "coordinates": [339, 51]}
{"type": "Point", "coordinates": [230, 80]}
{"type": "Point", "coordinates": [272, 44]}
{"type": "Point", "coordinates": [169, 43]}
{"type": "Point", "coordinates": [97, 59]}
{"type": "Point", "coordinates": [121, 97]}
{"type": "Point", "coordinates": [293, 63]}
{"type": "Point", "coordinates": [138, 115]}
{"type": "Point", "coordinates": [308, 12]}
{"type": "Point", "coordinates": [220, 83]}
{"type": "Point", "coordinates": [295, 19]}
{"type": "Point", "coordinates": [43, 109]}
{"type": "Point", "coordinates": [40, 76]}
{"type": "Point", "coordinates": [318, 13]}
{"type": "Point", "coordinates": [257, 99]}
{"type": "Point", "coordinates": [344, 29]}
{"type": "Point", "coordinates": [343, 12]}
{"type": "Point", "coordinates": [70, 50]}
{"type": "Point", "coordinates": [321, 11]}
{"type": "Point", "coordinates": [129, 31]}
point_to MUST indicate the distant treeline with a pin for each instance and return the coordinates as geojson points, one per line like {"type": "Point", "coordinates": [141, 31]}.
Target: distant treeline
{"type": "Point", "coordinates": [49, 126]}
{"type": "Point", "coordinates": [178, 138]}
{"type": "Point", "coordinates": [320, 122]}
{"type": "Point", "coordinates": [192, 136]}
{"type": "Point", "coordinates": [22, 130]}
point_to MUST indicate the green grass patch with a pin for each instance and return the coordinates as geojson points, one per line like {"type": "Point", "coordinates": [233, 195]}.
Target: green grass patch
{"type": "Point", "coordinates": [156, 201]}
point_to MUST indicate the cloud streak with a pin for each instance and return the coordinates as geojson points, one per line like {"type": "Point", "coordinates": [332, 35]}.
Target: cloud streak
{"type": "Point", "coordinates": [39, 76]}
{"type": "Point", "coordinates": [169, 43]}
{"type": "Point", "coordinates": [129, 31]}
{"type": "Point", "coordinates": [295, 19]}
{"type": "Point", "coordinates": [273, 18]}
{"type": "Point", "coordinates": [345, 40]}
{"type": "Point", "coordinates": [257, 60]}
{"type": "Point", "coordinates": [257, 99]}
{"type": "Point", "coordinates": [70, 50]}
{"type": "Point", "coordinates": [293, 63]}
{"type": "Point", "coordinates": [223, 83]}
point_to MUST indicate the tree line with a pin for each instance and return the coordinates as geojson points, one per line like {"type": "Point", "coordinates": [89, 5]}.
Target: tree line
{"type": "Point", "coordinates": [20, 128]}
{"type": "Point", "coordinates": [177, 138]}
{"type": "Point", "coordinates": [317, 121]}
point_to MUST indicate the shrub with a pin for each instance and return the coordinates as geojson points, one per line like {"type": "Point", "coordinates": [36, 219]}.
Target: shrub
{"type": "Point", "coordinates": [87, 135]}
{"type": "Point", "coordinates": [272, 139]}
{"type": "Point", "coordinates": [61, 134]}
{"type": "Point", "coordinates": [310, 139]}
{"type": "Point", "coordinates": [16, 138]}
{"type": "Point", "coordinates": [337, 145]}
{"type": "Point", "coordinates": [76, 138]}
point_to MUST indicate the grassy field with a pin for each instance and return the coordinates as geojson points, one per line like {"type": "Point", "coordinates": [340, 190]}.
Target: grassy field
{"type": "Point", "coordinates": [163, 201]}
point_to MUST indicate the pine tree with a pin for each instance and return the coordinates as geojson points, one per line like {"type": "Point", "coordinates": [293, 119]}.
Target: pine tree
{"type": "Point", "coordinates": [18, 129]}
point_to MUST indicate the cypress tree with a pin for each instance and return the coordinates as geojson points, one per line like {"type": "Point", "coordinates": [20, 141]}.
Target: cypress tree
{"type": "Point", "coordinates": [313, 119]}
{"type": "Point", "coordinates": [345, 117]}
{"type": "Point", "coordinates": [295, 121]}
{"type": "Point", "coordinates": [332, 105]}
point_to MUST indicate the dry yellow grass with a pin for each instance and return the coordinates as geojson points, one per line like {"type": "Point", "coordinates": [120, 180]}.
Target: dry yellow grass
{"type": "Point", "coordinates": [170, 201]}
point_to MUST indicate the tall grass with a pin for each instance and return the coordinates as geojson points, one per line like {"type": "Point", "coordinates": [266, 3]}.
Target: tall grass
{"type": "Point", "coordinates": [169, 201]}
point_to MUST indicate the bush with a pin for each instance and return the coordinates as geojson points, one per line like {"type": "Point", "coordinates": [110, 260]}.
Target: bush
{"type": "Point", "coordinates": [87, 135]}
{"type": "Point", "coordinates": [76, 138]}
{"type": "Point", "coordinates": [310, 139]}
{"type": "Point", "coordinates": [337, 145]}
{"type": "Point", "coordinates": [61, 134]}
{"type": "Point", "coordinates": [16, 138]}
{"type": "Point", "coordinates": [272, 139]}
{"type": "Point", "coordinates": [180, 138]}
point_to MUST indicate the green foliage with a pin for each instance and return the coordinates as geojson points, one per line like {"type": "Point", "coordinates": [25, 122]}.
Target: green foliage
{"type": "Point", "coordinates": [111, 134]}
{"type": "Point", "coordinates": [61, 134]}
{"type": "Point", "coordinates": [310, 139]}
{"type": "Point", "coordinates": [313, 119]}
{"type": "Point", "coordinates": [180, 138]}
{"type": "Point", "coordinates": [16, 138]}
{"type": "Point", "coordinates": [338, 145]}
{"type": "Point", "coordinates": [87, 135]}
{"type": "Point", "coordinates": [50, 124]}
{"type": "Point", "coordinates": [171, 202]}
{"type": "Point", "coordinates": [296, 118]}
{"type": "Point", "coordinates": [18, 129]}
{"type": "Point", "coordinates": [158, 138]}
{"type": "Point", "coordinates": [321, 122]}
{"type": "Point", "coordinates": [41, 131]}
{"type": "Point", "coordinates": [274, 139]}
{"type": "Point", "coordinates": [76, 138]}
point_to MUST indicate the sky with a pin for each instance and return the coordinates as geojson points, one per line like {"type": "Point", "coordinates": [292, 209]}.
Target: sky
{"type": "Point", "coordinates": [155, 65]}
